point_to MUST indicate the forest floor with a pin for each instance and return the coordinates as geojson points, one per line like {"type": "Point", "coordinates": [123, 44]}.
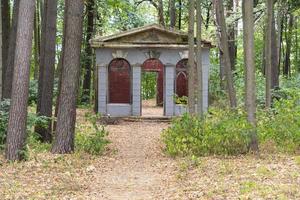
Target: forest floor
{"type": "Point", "coordinates": [135, 167]}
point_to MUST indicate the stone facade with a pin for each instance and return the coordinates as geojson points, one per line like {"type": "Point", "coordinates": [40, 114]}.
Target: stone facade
{"type": "Point", "coordinates": [169, 53]}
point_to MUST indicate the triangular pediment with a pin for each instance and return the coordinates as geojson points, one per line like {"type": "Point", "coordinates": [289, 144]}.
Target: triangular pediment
{"type": "Point", "coordinates": [153, 34]}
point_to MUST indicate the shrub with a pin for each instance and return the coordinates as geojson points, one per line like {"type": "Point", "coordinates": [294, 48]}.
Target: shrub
{"type": "Point", "coordinates": [282, 125]}
{"type": "Point", "coordinates": [222, 132]}
{"type": "Point", "coordinates": [33, 92]}
{"type": "Point", "coordinates": [95, 142]}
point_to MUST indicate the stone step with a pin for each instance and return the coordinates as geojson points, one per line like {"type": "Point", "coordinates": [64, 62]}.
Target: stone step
{"type": "Point", "coordinates": [148, 119]}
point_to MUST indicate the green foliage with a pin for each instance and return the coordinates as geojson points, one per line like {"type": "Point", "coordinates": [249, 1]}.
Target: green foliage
{"type": "Point", "coordinates": [4, 109]}
{"type": "Point", "coordinates": [149, 80]}
{"type": "Point", "coordinates": [93, 143]}
{"type": "Point", "coordinates": [33, 92]}
{"type": "Point", "coordinates": [181, 100]}
{"type": "Point", "coordinates": [222, 132]}
{"type": "Point", "coordinates": [281, 126]}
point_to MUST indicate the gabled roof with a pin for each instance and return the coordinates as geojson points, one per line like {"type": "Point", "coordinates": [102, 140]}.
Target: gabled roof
{"type": "Point", "coordinates": [152, 35]}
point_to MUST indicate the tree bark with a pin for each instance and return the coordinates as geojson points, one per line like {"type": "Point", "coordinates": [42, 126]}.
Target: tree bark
{"type": "Point", "coordinates": [191, 61]}
{"type": "Point", "coordinates": [5, 18]}
{"type": "Point", "coordinates": [268, 47]}
{"type": "Point", "coordinates": [249, 57]}
{"type": "Point", "coordinates": [1, 59]}
{"type": "Point", "coordinates": [9, 69]}
{"type": "Point", "coordinates": [231, 35]}
{"type": "Point", "coordinates": [199, 60]}
{"type": "Point", "coordinates": [287, 62]}
{"type": "Point", "coordinates": [221, 24]}
{"type": "Point", "coordinates": [88, 52]}
{"type": "Point", "coordinates": [37, 40]}
{"type": "Point", "coordinates": [161, 13]}
{"type": "Point", "coordinates": [47, 68]}
{"type": "Point", "coordinates": [275, 66]}
{"type": "Point", "coordinates": [180, 14]}
{"type": "Point", "coordinates": [16, 132]}
{"type": "Point", "coordinates": [172, 13]}
{"type": "Point", "coordinates": [65, 129]}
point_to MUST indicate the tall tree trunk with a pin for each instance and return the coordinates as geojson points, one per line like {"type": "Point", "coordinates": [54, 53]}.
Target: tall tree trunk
{"type": "Point", "coordinates": [249, 57]}
{"type": "Point", "coordinates": [5, 18]}
{"type": "Point", "coordinates": [86, 94]}
{"type": "Point", "coordinates": [199, 60]}
{"type": "Point", "coordinates": [37, 40]}
{"type": "Point", "coordinates": [47, 68]}
{"type": "Point", "coordinates": [287, 63]}
{"type": "Point", "coordinates": [161, 13]}
{"type": "Point", "coordinates": [275, 67]}
{"type": "Point", "coordinates": [1, 59]}
{"type": "Point", "coordinates": [172, 13]}
{"type": "Point", "coordinates": [225, 50]}
{"type": "Point", "coordinates": [231, 35]}
{"type": "Point", "coordinates": [16, 132]}
{"type": "Point", "coordinates": [66, 118]}
{"type": "Point", "coordinates": [9, 69]}
{"type": "Point", "coordinates": [268, 47]}
{"type": "Point", "coordinates": [180, 14]}
{"type": "Point", "coordinates": [191, 61]}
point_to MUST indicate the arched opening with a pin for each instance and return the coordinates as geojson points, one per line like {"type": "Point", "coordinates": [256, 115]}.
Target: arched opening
{"type": "Point", "coordinates": [152, 87]}
{"type": "Point", "coordinates": [119, 81]}
{"type": "Point", "coordinates": [181, 83]}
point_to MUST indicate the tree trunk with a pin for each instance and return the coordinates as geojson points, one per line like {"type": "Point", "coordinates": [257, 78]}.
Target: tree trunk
{"type": "Point", "coordinates": [231, 35]}
{"type": "Point", "coordinates": [37, 40]}
{"type": "Point", "coordinates": [86, 94]}
{"type": "Point", "coordinates": [161, 13]}
{"type": "Point", "coordinates": [9, 69]}
{"type": "Point", "coordinates": [180, 14]}
{"type": "Point", "coordinates": [199, 60]}
{"type": "Point", "coordinates": [1, 59]}
{"type": "Point", "coordinates": [287, 63]}
{"type": "Point", "coordinates": [275, 67]}
{"type": "Point", "coordinates": [5, 18]}
{"type": "Point", "coordinates": [268, 47]}
{"type": "Point", "coordinates": [249, 57]}
{"type": "Point", "coordinates": [225, 50]}
{"type": "Point", "coordinates": [66, 118]}
{"type": "Point", "coordinates": [191, 61]}
{"type": "Point", "coordinates": [172, 13]}
{"type": "Point", "coordinates": [47, 68]}
{"type": "Point", "coordinates": [16, 132]}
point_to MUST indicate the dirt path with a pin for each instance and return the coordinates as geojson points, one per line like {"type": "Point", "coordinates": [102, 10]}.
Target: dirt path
{"type": "Point", "coordinates": [138, 169]}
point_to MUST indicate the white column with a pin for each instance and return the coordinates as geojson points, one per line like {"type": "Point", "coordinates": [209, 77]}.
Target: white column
{"type": "Point", "coordinates": [102, 89]}
{"type": "Point", "coordinates": [169, 104]}
{"type": "Point", "coordinates": [136, 90]}
{"type": "Point", "coordinates": [205, 70]}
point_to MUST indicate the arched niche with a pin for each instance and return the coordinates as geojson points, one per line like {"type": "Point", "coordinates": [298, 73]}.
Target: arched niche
{"type": "Point", "coordinates": [119, 81]}
{"type": "Point", "coordinates": [181, 82]}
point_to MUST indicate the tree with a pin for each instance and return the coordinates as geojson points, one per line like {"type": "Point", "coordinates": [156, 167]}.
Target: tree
{"type": "Point", "coordinates": [1, 59]}
{"type": "Point", "coordinates": [221, 25]}
{"type": "Point", "coordinates": [65, 128]}
{"type": "Point", "coordinates": [16, 132]}
{"type": "Point", "coordinates": [231, 34]}
{"type": "Point", "coordinates": [47, 67]}
{"type": "Point", "coordinates": [161, 13]}
{"type": "Point", "coordinates": [288, 35]}
{"type": "Point", "coordinates": [268, 53]}
{"type": "Point", "coordinates": [9, 69]}
{"type": "Point", "coordinates": [172, 13]}
{"type": "Point", "coordinates": [88, 52]}
{"type": "Point", "coordinates": [191, 61]}
{"type": "Point", "coordinates": [5, 20]}
{"type": "Point", "coordinates": [249, 59]}
{"type": "Point", "coordinates": [199, 60]}
{"type": "Point", "coordinates": [37, 40]}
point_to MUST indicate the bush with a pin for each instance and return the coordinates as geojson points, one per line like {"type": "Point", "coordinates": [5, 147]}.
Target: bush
{"type": "Point", "coordinates": [33, 92]}
{"type": "Point", "coordinates": [222, 132]}
{"type": "Point", "coordinates": [93, 143]}
{"type": "Point", "coordinates": [281, 126]}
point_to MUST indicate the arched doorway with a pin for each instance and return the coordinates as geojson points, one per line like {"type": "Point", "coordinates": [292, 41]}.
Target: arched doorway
{"type": "Point", "coordinates": [152, 87]}
{"type": "Point", "coordinates": [119, 82]}
{"type": "Point", "coordinates": [181, 87]}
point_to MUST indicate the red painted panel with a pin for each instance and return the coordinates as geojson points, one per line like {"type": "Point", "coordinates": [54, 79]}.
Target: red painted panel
{"type": "Point", "coordinates": [154, 65]}
{"type": "Point", "coordinates": [119, 83]}
{"type": "Point", "coordinates": [182, 78]}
